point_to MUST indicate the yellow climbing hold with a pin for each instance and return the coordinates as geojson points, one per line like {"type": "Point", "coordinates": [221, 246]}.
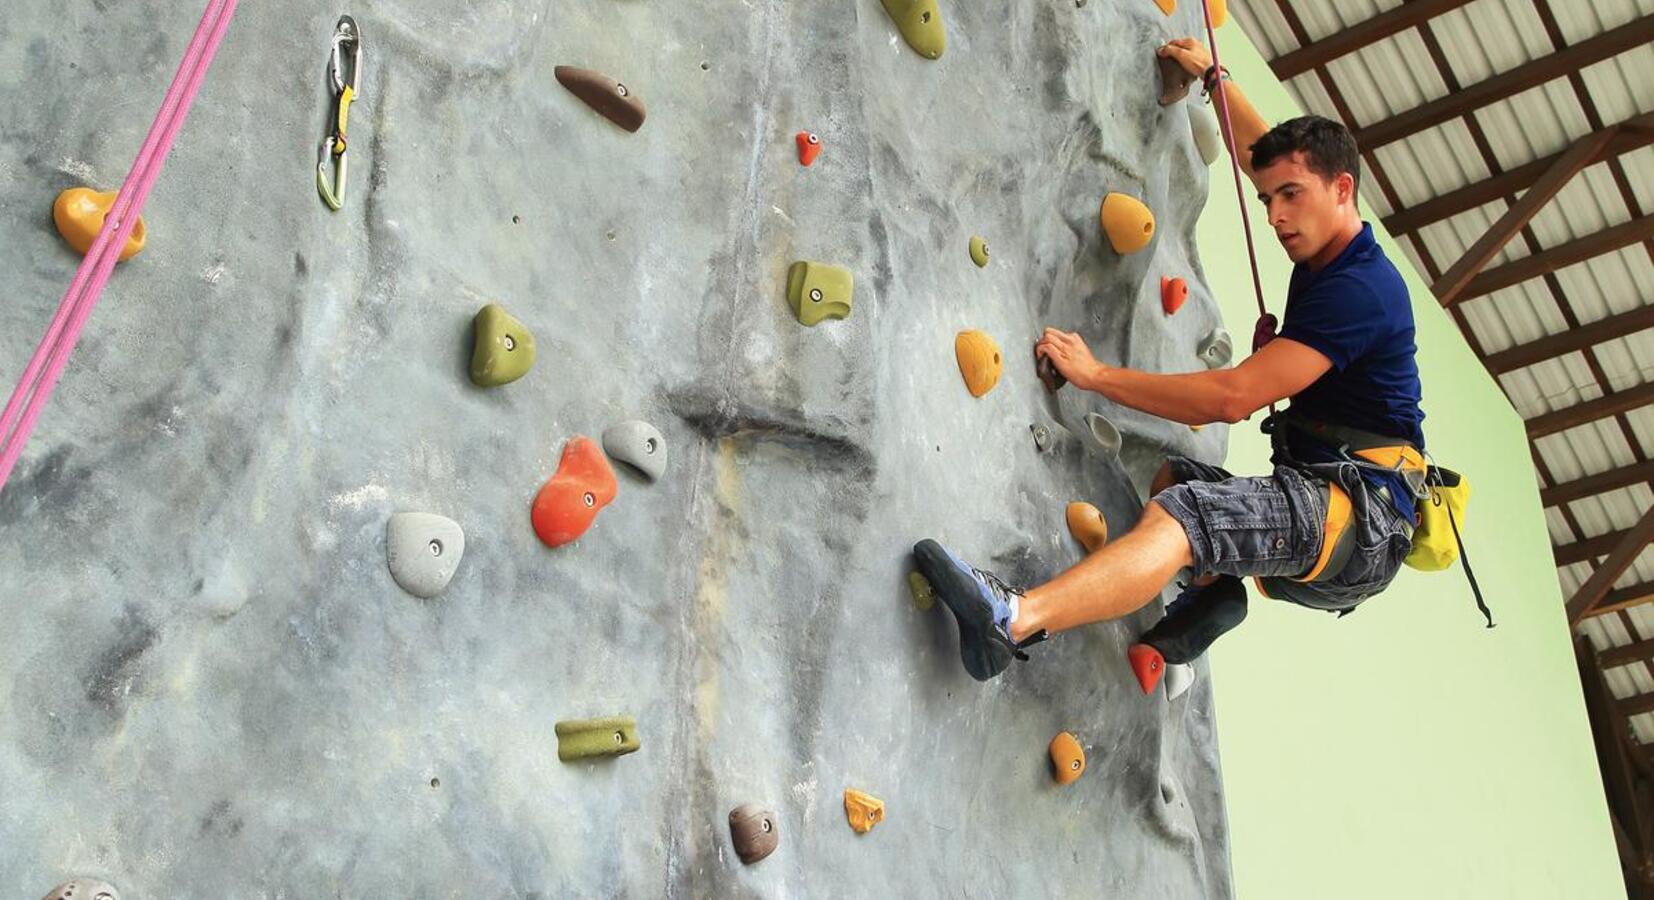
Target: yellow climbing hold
{"type": "Point", "coordinates": [863, 810]}
{"type": "Point", "coordinates": [979, 361]}
{"type": "Point", "coordinates": [924, 596]}
{"type": "Point", "coordinates": [1166, 6]}
{"type": "Point", "coordinates": [1128, 223]}
{"type": "Point", "coordinates": [1086, 524]}
{"type": "Point", "coordinates": [1220, 11]}
{"type": "Point", "coordinates": [920, 22]}
{"type": "Point", "coordinates": [79, 213]}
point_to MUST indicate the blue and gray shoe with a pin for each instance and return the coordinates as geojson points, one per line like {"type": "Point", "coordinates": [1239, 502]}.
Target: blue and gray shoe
{"type": "Point", "coordinates": [981, 604]}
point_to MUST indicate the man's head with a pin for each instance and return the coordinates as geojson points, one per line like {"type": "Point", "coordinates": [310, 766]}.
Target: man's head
{"type": "Point", "coordinates": [1307, 170]}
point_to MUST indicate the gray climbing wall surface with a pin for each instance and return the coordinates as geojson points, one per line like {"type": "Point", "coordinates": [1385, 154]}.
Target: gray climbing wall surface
{"type": "Point", "coordinates": [210, 685]}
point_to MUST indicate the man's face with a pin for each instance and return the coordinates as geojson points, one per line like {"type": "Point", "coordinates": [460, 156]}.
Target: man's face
{"type": "Point", "coordinates": [1306, 210]}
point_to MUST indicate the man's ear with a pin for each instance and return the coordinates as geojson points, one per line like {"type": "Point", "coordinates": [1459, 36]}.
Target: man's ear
{"type": "Point", "coordinates": [1345, 185]}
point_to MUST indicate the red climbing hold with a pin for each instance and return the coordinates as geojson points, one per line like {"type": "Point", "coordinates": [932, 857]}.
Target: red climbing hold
{"type": "Point", "coordinates": [1147, 664]}
{"type": "Point", "coordinates": [809, 147]}
{"type": "Point", "coordinates": [1173, 291]}
{"type": "Point", "coordinates": [568, 503]}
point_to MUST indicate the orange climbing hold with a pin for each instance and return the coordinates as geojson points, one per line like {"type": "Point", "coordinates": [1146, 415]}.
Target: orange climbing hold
{"type": "Point", "coordinates": [979, 361]}
{"type": "Point", "coordinates": [79, 213]}
{"type": "Point", "coordinates": [863, 810]}
{"type": "Point", "coordinates": [570, 501]}
{"type": "Point", "coordinates": [1220, 11]}
{"type": "Point", "coordinates": [1173, 291]}
{"type": "Point", "coordinates": [1086, 524]}
{"type": "Point", "coordinates": [809, 147]}
{"type": "Point", "coordinates": [1166, 6]}
{"type": "Point", "coordinates": [1067, 758]}
{"type": "Point", "coordinates": [1128, 223]}
{"type": "Point", "coordinates": [1147, 664]}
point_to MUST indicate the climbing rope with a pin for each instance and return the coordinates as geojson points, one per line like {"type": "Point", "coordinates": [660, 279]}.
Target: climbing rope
{"type": "Point", "coordinates": [41, 374]}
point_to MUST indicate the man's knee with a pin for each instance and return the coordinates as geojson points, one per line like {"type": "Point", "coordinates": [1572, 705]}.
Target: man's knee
{"type": "Point", "coordinates": [1162, 479]}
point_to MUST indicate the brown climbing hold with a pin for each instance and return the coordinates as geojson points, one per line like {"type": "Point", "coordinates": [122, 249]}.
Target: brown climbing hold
{"type": "Point", "coordinates": [1047, 372]}
{"type": "Point", "coordinates": [1067, 758]}
{"type": "Point", "coordinates": [924, 596]}
{"type": "Point", "coordinates": [1128, 223]}
{"type": "Point", "coordinates": [863, 810]}
{"type": "Point", "coordinates": [79, 213]}
{"type": "Point", "coordinates": [1087, 525]}
{"type": "Point", "coordinates": [754, 831]}
{"type": "Point", "coordinates": [570, 501]}
{"type": "Point", "coordinates": [613, 100]}
{"type": "Point", "coordinates": [979, 361]}
{"type": "Point", "coordinates": [809, 147]}
{"type": "Point", "coordinates": [1174, 80]}
{"type": "Point", "coordinates": [1173, 291]}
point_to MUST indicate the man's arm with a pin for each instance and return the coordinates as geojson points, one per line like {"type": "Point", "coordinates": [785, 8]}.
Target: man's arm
{"type": "Point", "coordinates": [1248, 125]}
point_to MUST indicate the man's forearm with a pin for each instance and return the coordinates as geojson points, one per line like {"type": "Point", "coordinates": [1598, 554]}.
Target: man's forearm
{"type": "Point", "coordinates": [1196, 398]}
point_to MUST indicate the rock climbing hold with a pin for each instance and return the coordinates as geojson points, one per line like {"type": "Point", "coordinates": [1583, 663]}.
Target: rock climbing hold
{"type": "Point", "coordinates": [979, 361]}
{"type": "Point", "coordinates": [924, 596]}
{"type": "Point", "coordinates": [1043, 439]}
{"type": "Point", "coordinates": [1173, 291]}
{"type": "Point", "coordinates": [1087, 525]}
{"type": "Point", "coordinates": [639, 445]}
{"type": "Point", "coordinates": [423, 551]}
{"type": "Point", "coordinates": [1166, 6]}
{"type": "Point", "coordinates": [1216, 349]}
{"type": "Point", "coordinates": [83, 889]}
{"type": "Point", "coordinates": [754, 831]}
{"type": "Point", "coordinates": [863, 810]}
{"type": "Point", "coordinates": [79, 213]}
{"type": "Point", "coordinates": [817, 291]}
{"type": "Point", "coordinates": [613, 100]}
{"type": "Point", "coordinates": [587, 738]}
{"type": "Point", "coordinates": [1219, 10]}
{"type": "Point", "coordinates": [1104, 431]}
{"type": "Point", "coordinates": [920, 22]}
{"type": "Point", "coordinates": [503, 348]}
{"type": "Point", "coordinates": [1048, 374]}
{"type": "Point", "coordinates": [1205, 128]}
{"type": "Point", "coordinates": [583, 485]}
{"type": "Point", "coordinates": [1196, 428]}
{"type": "Point", "coordinates": [1127, 222]}
{"type": "Point", "coordinates": [1147, 664]}
{"type": "Point", "coordinates": [979, 252]}
{"type": "Point", "coordinates": [1179, 676]}
{"type": "Point", "coordinates": [1174, 80]}
{"type": "Point", "coordinates": [1067, 758]}
{"type": "Point", "coordinates": [809, 147]}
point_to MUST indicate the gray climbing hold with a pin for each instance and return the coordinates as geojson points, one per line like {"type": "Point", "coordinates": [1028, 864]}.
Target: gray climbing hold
{"type": "Point", "coordinates": [1216, 349]}
{"type": "Point", "coordinates": [1205, 127]}
{"type": "Point", "coordinates": [1179, 677]}
{"type": "Point", "coordinates": [639, 445]}
{"type": "Point", "coordinates": [83, 889]}
{"type": "Point", "coordinates": [1103, 431]}
{"type": "Point", "coordinates": [423, 550]}
{"type": "Point", "coordinates": [1043, 438]}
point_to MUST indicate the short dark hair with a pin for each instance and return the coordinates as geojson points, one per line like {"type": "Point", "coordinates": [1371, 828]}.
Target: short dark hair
{"type": "Point", "coordinates": [1328, 147]}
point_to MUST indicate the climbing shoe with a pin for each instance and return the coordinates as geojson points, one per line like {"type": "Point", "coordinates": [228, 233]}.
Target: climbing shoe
{"type": "Point", "coordinates": [1197, 618]}
{"type": "Point", "coordinates": [981, 603]}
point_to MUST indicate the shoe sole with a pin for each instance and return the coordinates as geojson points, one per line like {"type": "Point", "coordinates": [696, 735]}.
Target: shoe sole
{"type": "Point", "coordinates": [982, 653]}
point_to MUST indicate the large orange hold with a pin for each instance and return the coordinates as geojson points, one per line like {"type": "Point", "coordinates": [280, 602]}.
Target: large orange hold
{"type": "Point", "coordinates": [1173, 291]}
{"type": "Point", "coordinates": [570, 501]}
{"type": "Point", "coordinates": [1128, 223]}
{"type": "Point", "coordinates": [1087, 525]}
{"type": "Point", "coordinates": [1067, 758]}
{"type": "Point", "coordinates": [1147, 664]}
{"type": "Point", "coordinates": [979, 361]}
{"type": "Point", "coordinates": [79, 213]}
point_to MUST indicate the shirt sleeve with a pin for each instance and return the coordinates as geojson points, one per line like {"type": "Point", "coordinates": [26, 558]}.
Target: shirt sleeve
{"type": "Point", "coordinates": [1339, 317]}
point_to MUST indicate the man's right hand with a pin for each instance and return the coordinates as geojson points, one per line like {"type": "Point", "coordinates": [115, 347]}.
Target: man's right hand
{"type": "Point", "coordinates": [1194, 56]}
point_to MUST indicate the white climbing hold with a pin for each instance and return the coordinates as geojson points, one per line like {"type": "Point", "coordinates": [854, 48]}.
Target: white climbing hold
{"type": "Point", "coordinates": [639, 445]}
{"type": "Point", "coordinates": [424, 550]}
{"type": "Point", "coordinates": [1104, 432]}
{"type": "Point", "coordinates": [1217, 349]}
{"type": "Point", "coordinates": [1205, 127]}
{"type": "Point", "coordinates": [1178, 679]}
{"type": "Point", "coordinates": [83, 889]}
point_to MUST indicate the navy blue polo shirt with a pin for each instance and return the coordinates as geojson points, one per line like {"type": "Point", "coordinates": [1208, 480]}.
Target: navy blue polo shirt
{"type": "Point", "coordinates": [1356, 312]}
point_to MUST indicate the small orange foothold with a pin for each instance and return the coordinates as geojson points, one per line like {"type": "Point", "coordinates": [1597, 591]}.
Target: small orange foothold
{"type": "Point", "coordinates": [809, 147]}
{"type": "Point", "coordinates": [1173, 291]}
{"type": "Point", "coordinates": [1147, 664]}
{"type": "Point", "coordinates": [863, 810]}
{"type": "Point", "coordinates": [570, 501]}
{"type": "Point", "coordinates": [79, 213]}
{"type": "Point", "coordinates": [1067, 758]}
{"type": "Point", "coordinates": [979, 361]}
{"type": "Point", "coordinates": [1086, 524]}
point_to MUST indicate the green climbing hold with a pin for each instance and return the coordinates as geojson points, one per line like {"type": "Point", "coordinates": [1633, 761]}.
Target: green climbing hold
{"type": "Point", "coordinates": [591, 738]}
{"type": "Point", "coordinates": [979, 252]}
{"type": "Point", "coordinates": [920, 23]}
{"type": "Point", "coordinates": [924, 596]}
{"type": "Point", "coordinates": [818, 291]}
{"type": "Point", "coordinates": [504, 348]}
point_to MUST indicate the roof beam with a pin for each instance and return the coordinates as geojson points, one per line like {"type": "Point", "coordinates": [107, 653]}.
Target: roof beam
{"type": "Point", "coordinates": [1570, 341]}
{"type": "Point", "coordinates": [1507, 84]}
{"type": "Point", "coordinates": [1561, 256]}
{"type": "Point", "coordinates": [1626, 654]}
{"type": "Point", "coordinates": [1636, 705]}
{"type": "Point", "coordinates": [1600, 483]}
{"type": "Point", "coordinates": [1626, 549]}
{"type": "Point", "coordinates": [1623, 598]}
{"type": "Point", "coordinates": [1591, 410]}
{"type": "Point", "coordinates": [1574, 160]}
{"type": "Point", "coordinates": [1361, 34]}
{"type": "Point", "coordinates": [1633, 134]}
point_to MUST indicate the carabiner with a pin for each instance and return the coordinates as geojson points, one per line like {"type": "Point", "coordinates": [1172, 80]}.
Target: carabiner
{"type": "Point", "coordinates": [347, 44]}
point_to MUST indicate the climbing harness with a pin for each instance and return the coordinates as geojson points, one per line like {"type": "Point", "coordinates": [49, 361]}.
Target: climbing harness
{"type": "Point", "coordinates": [347, 43]}
{"type": "Point", "coordinates": [44, 367]}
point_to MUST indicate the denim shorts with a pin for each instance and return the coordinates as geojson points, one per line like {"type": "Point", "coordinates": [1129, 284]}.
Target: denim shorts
{"type": "Point", "coordinates": [1274, 525]}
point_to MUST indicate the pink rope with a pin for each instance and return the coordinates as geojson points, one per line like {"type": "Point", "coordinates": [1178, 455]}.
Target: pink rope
{"type": "Point", "coordinates": [94, 271]}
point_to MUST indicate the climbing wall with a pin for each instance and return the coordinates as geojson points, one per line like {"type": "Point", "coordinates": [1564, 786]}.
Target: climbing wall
{"type": "Point", "coordinates": [210, 684]}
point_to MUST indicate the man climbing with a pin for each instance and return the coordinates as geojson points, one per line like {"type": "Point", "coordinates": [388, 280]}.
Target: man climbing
{"type": "Point", "coordinates": [1331, 525]}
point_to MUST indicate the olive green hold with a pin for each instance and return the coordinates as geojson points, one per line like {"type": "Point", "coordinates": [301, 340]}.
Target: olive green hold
{"type": "Point", "coordinates": [920, 22]}
{"type": "Point", "coordinates": [504, 348]}
{"type": "Point", "coordinates": [924, 596]}
{"type": "Point", "coordinates": [592, 738]}
{"type": "Point", "coordinates": [979, 252]}
{"type": "Point", "coordinates": [818, 291]}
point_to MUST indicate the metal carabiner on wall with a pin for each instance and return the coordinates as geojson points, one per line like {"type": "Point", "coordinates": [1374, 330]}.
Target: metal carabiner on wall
{"type": "Point", "coordinates": [344, 70]}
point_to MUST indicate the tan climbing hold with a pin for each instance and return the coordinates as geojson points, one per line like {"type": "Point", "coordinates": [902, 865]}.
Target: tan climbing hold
{"type": "Point", "coordinates": [924, 596]}
{"type": "Point", "coordinates": [1166, 6]}
{"type": "Point", "coordinates": [79, 213]}
{"type": "Point", "coordinates": [1087, 525]}
{"type": "Point", "coordinates": [979, 361]}
{"type": "Point", "coordinates": [863, 810]}
{"type": "Point", "coordinates": [1128, 223]}
{"type": "Point", "coordinates": [1196, 427]}
{"type": "Point", "coordinates": [1067, 758]}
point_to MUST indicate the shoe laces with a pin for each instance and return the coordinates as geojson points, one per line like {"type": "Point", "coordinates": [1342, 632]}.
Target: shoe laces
{"type": "Point", "coordinates": [1005, 592]}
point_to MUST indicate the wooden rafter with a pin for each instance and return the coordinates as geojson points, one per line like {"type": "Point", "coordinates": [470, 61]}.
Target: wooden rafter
{"type": "Point", "coordinates": [1624, 598]}
{"type": "Point", "coordinates": [1591, 410]}
{"type": "Point", "coordinates": [1626, 654]}
{"type": "Point", "coordinates": [1570, 341]}
{"type": "Point", "coordinates": [1561, 256]}
{"type": "Point", "coordinates": [1625, 552]}
{"type": "Point", "coordinates": [1362, 34]}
